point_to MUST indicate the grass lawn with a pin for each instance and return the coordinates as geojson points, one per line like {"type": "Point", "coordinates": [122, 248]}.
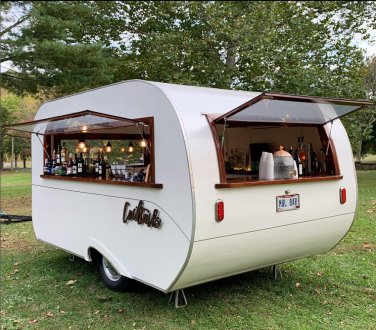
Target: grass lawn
{"type": "Point", "coordinates": [337, 289]}
{"type": "Point", "coordinates": [369, 159]}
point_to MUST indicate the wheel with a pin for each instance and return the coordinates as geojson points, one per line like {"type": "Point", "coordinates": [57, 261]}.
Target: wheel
{"type": "Point", "coordinates": [111, 277]}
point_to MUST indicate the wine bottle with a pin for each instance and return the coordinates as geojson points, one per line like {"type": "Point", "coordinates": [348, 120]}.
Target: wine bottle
{"type": "Point", "coordinates": [45, 168]}
{"type": "Point", "coordinates": [70, 165]}
{"type": "Point", "coordinates": [74, 165]}
{"type": "Point", "coordinates": [96, 163]}
{"type": "Point", "coordinates": [299, 165]}
{"type": "Point", "coordinates": [80, 165]}
{"type": "Point", "coordinates": [58, 155]}
{"type": "Point", "coordinates": [290, 150]}
{"type": "Point", "coordinates": [64, 154]}
{"type": "Point", "coordinates": [102, 166]}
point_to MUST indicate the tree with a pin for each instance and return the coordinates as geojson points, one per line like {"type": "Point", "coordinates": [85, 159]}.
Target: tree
{"type": "Point", "coordinates": [16, 109]}
{"type": "Point", "coordinates": [57, 47]}
{"type": "Point", "coordinates": [360, 125]}
{"type": "Point", "coordinates": [301, 47]}
{"type": "Point", "coordinates": [284, 46]}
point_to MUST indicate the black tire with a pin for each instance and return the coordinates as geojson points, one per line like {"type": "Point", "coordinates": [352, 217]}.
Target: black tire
{"type": "Point", "coordinates": [113, 280]}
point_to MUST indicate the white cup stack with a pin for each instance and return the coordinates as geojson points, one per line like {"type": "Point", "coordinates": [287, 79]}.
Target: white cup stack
{"type": "Point", "coordinates": [262, 166]}
{"type": "Point", "coordinates": [269, 167]}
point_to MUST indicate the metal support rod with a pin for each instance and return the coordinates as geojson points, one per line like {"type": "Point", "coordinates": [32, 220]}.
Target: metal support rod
{"type": "Point", "coordinates": [48, 156]}
{"type": "Point", "coordinates": [177, 293]}
{"type": "Point", "coordinates": [330, 134]}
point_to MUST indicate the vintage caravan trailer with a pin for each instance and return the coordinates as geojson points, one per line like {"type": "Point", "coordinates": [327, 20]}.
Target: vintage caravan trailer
{"type": "Point", "coordinates": [202, 212]}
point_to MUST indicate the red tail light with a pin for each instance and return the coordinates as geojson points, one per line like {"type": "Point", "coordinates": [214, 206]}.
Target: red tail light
{"type": "Point", "coordinates": [342, 195]}
{"type": "Point", "coordinates": [219, 210]}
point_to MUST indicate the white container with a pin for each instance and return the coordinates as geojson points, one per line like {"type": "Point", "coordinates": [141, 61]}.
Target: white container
{"type": "Point", "coordinates": [262, 166]}
{"type": "Point", "coordinates": [269, 167]}
{"type": "Point", "coordinates": [295, 176]}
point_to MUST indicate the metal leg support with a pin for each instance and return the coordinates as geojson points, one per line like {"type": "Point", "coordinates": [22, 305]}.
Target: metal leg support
{"type": "Point", "coordinates": [275, 271]}
{"type": "Point", "coordinates": [71, 258]}
{"type": "Point", "coordinates": [177, 294]}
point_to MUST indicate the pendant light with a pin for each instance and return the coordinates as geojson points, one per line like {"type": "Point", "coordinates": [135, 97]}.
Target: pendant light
{"type": "Point", "coordinates": [130, 148]}
{"type": "Point", "coordinates": [108, 147]}
{"type": "Point", "coordinates": [81, 142]}
{"type": "Point", "coordinates": [143, 142]}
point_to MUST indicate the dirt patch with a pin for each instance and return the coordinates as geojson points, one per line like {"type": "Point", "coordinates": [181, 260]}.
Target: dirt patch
{"type": "Point", "coordinates": [17, 205]}
{"type": "Point", "coordinates": [10, 243]}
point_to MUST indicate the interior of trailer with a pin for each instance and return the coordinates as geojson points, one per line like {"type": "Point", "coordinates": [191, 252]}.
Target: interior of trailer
{"type": "Point", "coordinates": [242, 147]}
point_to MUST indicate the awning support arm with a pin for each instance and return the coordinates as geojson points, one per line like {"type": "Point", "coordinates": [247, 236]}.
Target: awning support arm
{"type": "Point", "coordinates": [330, 134]}
{"type": "Point", "coordinates": [223, 134]}
{"type": "Point", "coordinates": [37, 134]}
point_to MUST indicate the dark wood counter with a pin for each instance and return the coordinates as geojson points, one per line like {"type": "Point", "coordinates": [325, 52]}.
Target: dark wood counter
{"type": "Point", "coordinates": [111, 180]}
{"type": "Point", "coordinates": [248, 181]}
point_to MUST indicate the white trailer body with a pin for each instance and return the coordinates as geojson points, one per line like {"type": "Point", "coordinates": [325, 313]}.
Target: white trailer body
{"type": "Point", "coordinates": [190, 247]}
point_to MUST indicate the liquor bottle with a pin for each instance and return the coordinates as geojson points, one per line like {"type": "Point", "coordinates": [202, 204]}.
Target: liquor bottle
{"type": "Point", "coordinates": [96, 163]}
{"type": "Point", "coordinates": [64, 155]}
{"type": "Point", "coordinates": [102, 165]}
{"type": "Point", "coordinates": [53, 167]}
{"type": "Point", "coordinates": [74, 166]}
{"type": "Point", "coordinates": [45, 168]}
{"type": "Point", "coordinates": [80, 165]}
{"type": "Point", "coordinates": [49, 165]}
{"type": "Point", "coordinates": [70, 165]}
{"type": "Point", "coordinates": [298, 163]}
{"type": "Point", "coordinates": [58, 155]}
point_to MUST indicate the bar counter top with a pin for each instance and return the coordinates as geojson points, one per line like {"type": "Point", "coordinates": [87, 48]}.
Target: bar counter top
{"type": "Point", "coordinates": [247, 181]}
{"type": "Point", "coordinates": [97, 179]}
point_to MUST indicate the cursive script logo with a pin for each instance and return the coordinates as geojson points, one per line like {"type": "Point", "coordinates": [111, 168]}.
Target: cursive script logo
{"type": "Point", "coordinates": [141, 215]}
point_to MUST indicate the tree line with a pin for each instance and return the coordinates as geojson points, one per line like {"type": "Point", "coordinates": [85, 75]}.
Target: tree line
{"type": "Point", "coordinates": [58, 48]}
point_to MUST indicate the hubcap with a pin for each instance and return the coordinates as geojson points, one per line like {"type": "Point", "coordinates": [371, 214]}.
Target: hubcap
{"type": "Point", "coordinates": [110, 270]}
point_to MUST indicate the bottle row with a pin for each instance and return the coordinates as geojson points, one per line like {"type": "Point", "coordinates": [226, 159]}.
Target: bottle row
{"type": "Point", "coordinates": [79, 166]}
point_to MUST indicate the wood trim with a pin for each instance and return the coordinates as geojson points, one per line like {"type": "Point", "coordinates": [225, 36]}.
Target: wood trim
{"type": "Point", "coordinates": [218, 148]}
{"type": "Point", "coordinates": [99, 180]}
{"type": "Point", "coordinates": [304, 98]}
{"type": "Point", "coordinates": [100, 136]}
{"type": "Point", "coordinates": [74, 114]}
{"type": "Point", "coordinates": [274, 182]}
{"type": "Point", "coordinates": [331, 159]}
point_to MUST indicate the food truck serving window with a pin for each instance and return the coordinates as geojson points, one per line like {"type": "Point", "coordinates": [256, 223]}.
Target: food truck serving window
{"type": "Point", "coordinates": [95, 147]}
{"type": "Point", "coordinates": [287, 126]}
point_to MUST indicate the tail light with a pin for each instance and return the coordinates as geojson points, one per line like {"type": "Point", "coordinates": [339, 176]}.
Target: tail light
{"type": "Point", "coordinates": [342, 195]}
{"type": "Point", "coordinates": [219, 210]}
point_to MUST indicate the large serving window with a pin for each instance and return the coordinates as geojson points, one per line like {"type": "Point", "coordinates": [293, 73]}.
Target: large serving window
{"type": "Point", "coordinates": [274, 122]}
{"type": "Point", "coordinates": [104, 148]}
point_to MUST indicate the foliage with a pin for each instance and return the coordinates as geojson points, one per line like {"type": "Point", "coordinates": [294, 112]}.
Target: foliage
{"type": "Point", "coordinates": [361, 125]}
{"type": "Point", "coordinates": [301, 47]}
{"type": "Point", "coordinates": [336, 291]}
{"type": "Point", "coordinates": [16, 109]}
{"type": "Point", "coordinates": [58, 47]}
{"type": "Point", "coordinates": [283, 46]}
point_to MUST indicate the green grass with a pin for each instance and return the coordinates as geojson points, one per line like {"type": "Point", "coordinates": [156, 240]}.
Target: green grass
{"type": "Point", "coordinates": [16, 192]}
{"type": "Point", "coordinates": [369, 159]}
{"type": "Point", "coordinates": [343, 297]}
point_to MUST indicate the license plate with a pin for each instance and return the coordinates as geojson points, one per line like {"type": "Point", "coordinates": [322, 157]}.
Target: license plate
{"type": "Point", "coordinates": [288, 203]}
